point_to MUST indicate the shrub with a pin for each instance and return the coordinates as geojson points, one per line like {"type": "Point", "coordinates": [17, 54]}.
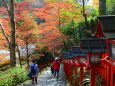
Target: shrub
{"type": "Point", "coordinates": [13, 76]}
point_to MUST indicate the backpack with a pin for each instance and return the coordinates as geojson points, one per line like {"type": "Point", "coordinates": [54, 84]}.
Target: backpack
{"type": "Point", "coordinates": [33, 71]}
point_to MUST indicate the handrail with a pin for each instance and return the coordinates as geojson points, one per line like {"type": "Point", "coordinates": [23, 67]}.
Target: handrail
{"type": "Point", "coordinates": [105, 61]}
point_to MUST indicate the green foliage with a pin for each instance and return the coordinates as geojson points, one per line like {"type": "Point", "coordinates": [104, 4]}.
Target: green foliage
{"type": "Point", "coordinates": [1, 3]}
{"type": "Point", "coordinates": [7, 1]}
{"type": "Point", "coordinates": [70, 28]}
{"type": "Point", "coordinates": [92, 22]}
{"type": "Point", "coordinates": [93, 13]}
{"type": "Point", "coordinates": [111, 7]}
{"type": "Point", "coordinates": [13, 76]}
{"type": "Point", "coordinates": [67, 13]}
{"type": "Point", "coordinates": [19, 0]}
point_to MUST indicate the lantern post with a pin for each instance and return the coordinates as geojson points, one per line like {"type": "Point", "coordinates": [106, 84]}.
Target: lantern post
{"type": "Point", "coordinates": [95, 47]}
{"type": "Point", "coordinates": [81, 60]}
{"type": "Point", "coordinates": [107, 27]}
{"type": "Point", "coordinates": [80, 57]}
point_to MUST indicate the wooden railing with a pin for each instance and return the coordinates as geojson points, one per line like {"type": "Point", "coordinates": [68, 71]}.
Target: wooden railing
{"type": "Point", "coordinates": [106, 70]}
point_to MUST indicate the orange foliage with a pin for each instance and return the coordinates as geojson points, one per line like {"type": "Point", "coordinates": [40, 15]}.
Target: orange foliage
{"type": "Point", "coordinates": [3, 42]}
{"type": "Point", "coordinates": [96, 3]}
{"type": "Point", "coordinates": [52, 13]}
{"type": "Point", "coordinates": [49, 34]}
{"type": "Point", "coordinates": [19, 7]}
{"type": "Point", "coordinates": [26, 27]}
{"type": "Point", "coordinates": [5, 23]}
{"type": "Point", "coordinates": [4, 61]}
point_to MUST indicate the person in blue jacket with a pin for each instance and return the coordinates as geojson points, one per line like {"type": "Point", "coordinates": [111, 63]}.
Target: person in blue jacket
{"type": "Point", "coordinates": [34, 70]}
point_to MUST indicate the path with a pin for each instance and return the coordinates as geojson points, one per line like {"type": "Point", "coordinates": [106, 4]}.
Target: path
{"type": "Point", "coordinates": [46, 79]}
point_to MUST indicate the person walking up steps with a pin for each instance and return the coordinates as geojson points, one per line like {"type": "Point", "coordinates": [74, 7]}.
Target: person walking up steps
{"type": "Point", "coordinates": [33, 71]}
{"type": "Point", "coordinates": [56, 67]}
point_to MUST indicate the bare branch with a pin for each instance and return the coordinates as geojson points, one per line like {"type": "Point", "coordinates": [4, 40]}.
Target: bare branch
{"type": "Point", "coordinates": [6, 5]}
{"type": "Point", "coordinates": [5, 35]}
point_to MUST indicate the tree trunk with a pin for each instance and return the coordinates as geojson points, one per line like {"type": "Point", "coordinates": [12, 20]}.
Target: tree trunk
{"type": "Point", "coordinates": [19, 56]}
{"type": "Point", "coordinates": [84, 15]}
{"type": "Point", "coordinates": [64, 43]}
{"type": "Point", "coordinates": [12, 41]}
{"type": "Point", "coordinates": [27, 54]}
{"type": "Point", "coordinates": [102, 7]}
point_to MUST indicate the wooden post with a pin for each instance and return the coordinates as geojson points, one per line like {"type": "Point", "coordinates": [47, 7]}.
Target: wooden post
{"type": "Point", "coordinates": [81, 74]}
{"type": "Point", "coordinates": [105, 73]}
{"type": "Point", "coordinates": [71, 73]}
{"type": "Point", "coordinates": [111, 77]}
{"type": "Point", "coordinates": [93, 76]}
{"type": "Point", "coordinates": [75, 73]}
{"type": "Point", "coordinates": [108, 79]}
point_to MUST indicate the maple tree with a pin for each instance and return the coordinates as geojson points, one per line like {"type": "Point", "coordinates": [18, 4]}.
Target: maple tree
{"type": "Point", "coordinates": [26, 28]}
{"type": "Point", "coordinates": [11, 41]}
{"type": "Point", "coordinates": [56, 15]}
{"type": "Point", "coordinates": [20, 7]}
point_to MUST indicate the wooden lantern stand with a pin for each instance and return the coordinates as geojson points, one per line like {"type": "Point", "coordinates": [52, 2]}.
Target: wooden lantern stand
{"type": "Point", "coordinates": [93, 69]}
{"type": "Point", "coordinates": [95, 48]}
{"type": "Point", "coordinates": [106, 29]}
{"type": "Point", "coordinates": [79, 58]}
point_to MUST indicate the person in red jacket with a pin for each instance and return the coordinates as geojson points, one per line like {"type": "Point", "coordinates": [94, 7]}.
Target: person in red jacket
{"type": "Point", "coordinates": [56, 67]}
